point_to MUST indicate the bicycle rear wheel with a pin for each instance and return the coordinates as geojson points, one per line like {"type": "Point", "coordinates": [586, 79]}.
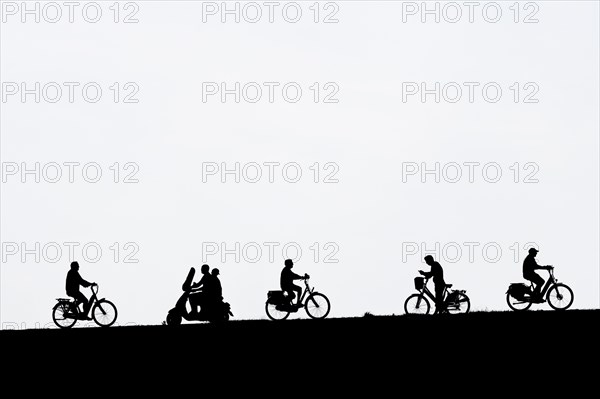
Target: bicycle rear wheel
{"type": "Point", "coordinates": [59, 313]}
{"type": "Point", "coordinates": [560, 297]}
{"type": "Point", "coordinates": [516, 304]}
{"type": "Point", "coordinates": [274, 313]}
{"type": "Point", "coordinates": [104, 313]}
{"type": "Point", "coordinates": [417, 304]}
{"type": "Point", "coordinates": [461, 305]}
{"type": "Point", "coordinates": [317, 306]}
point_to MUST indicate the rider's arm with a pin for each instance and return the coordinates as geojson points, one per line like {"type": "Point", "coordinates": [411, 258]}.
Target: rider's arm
{"type": "Point", "coordinates": [538, 267]}
{"type": "Point", "coordinates": [426, 274]}
{"type": "Point", "coordinates": [297, 277]}
{"type": "Point", "coordinates": [84, 283]}
{"type": "Point", "coordinates": [199, 283]}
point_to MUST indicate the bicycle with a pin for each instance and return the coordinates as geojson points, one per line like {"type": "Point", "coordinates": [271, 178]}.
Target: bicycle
{"type": "Point", "coordinates": [455, 301]}
{"type": "Point", "coordinates": [279, 306]}
{"type": "Point", "coordinates": [559, 296]}
{"type": "Point", "coordinates": [66, 312]}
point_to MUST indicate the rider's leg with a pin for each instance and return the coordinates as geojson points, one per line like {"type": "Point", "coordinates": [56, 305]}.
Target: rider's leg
{"type": "Point", "coordinates": [290, 295]}
{"type": "Point", "coordinates": [202, 302]}
{"type": "Point", "coordinates": [80, 298]}
{"type": "Point", "coordinates": [298, 291]}
{"type": "Point", "coordinates": [539, 283]}
{"type": "Point", "coordinates": [193, 299]}
{"type": "Point", "coordinates": [439, 297]}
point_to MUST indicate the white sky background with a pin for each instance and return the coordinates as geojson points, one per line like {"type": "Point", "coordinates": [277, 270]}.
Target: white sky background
{"type": "Point", "coordinates": [369, 133]}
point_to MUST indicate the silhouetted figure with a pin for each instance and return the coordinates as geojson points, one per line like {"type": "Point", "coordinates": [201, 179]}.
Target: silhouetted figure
{"type": "Point", "coordinates": [74, 280]}
{"type": "Point", "coordinates": [203, 297]}
{"type": "Point", "coordinates": [287, 281]}
{"type": "Point", "coordinates": [438, 279]}
{"type": "Point", "coordinates": [210, 310]}
{"type": "Point", "coordinates": [529, 267]}
{"type": "Point", "coordinates": [218, 290]}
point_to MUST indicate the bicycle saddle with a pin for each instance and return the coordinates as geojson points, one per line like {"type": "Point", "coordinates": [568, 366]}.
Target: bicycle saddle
{"type": "Point", "coordinates": [448, 285]}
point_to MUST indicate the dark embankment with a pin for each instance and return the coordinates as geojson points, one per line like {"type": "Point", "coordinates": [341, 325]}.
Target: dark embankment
{"type": "Point", "coordinates": [502, 348]}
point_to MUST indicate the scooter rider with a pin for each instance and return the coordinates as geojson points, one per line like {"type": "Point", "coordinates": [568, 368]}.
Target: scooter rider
{"type": "Point", "coordinates": [218, 289]}
{"type": "Point", "coordinates": [197, 294]}
{"type": "Point", "coordinates": [206, 288]}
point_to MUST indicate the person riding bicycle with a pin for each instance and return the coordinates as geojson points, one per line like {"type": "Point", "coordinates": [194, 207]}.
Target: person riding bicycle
{"type": "Point", "coordinates": [74, 280]}
{"type": "Point", "coordinates": [218, 291]}
{"type": "Point", "coordinates": [438, 279]}
{"type": "Point", "coordinates": [203, 297]}
{"type": "Point", "coordinates": [287, 281]}
{"type": "Point", "coordinates": [529, 267]}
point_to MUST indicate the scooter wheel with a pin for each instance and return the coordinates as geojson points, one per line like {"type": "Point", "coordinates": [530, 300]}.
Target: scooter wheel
{"type": "Point", "coordinates": [173, 319]}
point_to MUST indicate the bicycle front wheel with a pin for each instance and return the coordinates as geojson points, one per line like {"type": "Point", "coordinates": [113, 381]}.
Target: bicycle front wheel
{"type": "Point", "coordinates": [560, 297]}
{"type": "Point", "coordinates": [59, 315]}
{"type": "Point", "coordinates": [104, 313]}
{"type": "Point", "coordinates": [417, 304]}
{"type": "Point", "coordinates": [461, 305]}
{"type": "Point", "coordinates": [317, 306]}
{"type": "Point", "coordinates": [274, 313]}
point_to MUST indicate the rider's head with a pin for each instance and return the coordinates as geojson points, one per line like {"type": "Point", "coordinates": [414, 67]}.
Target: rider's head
{"type": "Point", "coordinates": [215, 272]}
{"type": "Point", "coordinates": [428, 259]}
{"type": "Point", "coordinates": [289, 263]}
{"type": "Point", "coordinates": [533, 251]}
{"type": "Point", "coordinates": [74, 265]}
{"type": "Point", "coordinates": [204, 269]}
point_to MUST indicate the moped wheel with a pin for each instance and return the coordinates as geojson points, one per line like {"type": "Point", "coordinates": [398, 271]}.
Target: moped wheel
{"type": "Point", "coordinates": [560, 297]}
{"type": "Point", "coordinates": [59, 315]}
{"type": "Point", "coordinates": [461, 305]}
{"type": "Point", "coordinates": [417, 304]}
{"type": "Point", "coordinates": [516, 304]}
{"type": "Point", "coordinates": [173, 319]}
{"type": "Point", "coordinates": [317, 306]}
{"type": "Point", "coordinates": [104, 313]}
{"type": "Point", "coordinates": [275, 314]}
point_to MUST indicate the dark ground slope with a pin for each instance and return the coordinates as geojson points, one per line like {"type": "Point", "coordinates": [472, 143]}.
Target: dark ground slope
{"type": "Point", "coordinates": [541, 349]}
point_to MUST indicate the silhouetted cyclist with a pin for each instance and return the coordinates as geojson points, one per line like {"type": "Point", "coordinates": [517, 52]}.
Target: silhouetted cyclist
{"type": "Point", "coordinates": [202, 298]}
{"type": "Point", "coordinates": [438, 279]}
{"type": "Point", "coordinates": [74, 280]}
{"type": "Point", "coordinates": [287, 281]}
{"type": "Point", "coordinates": [218, 291]}
{"type": "Point", "coordinates": [529, 267]}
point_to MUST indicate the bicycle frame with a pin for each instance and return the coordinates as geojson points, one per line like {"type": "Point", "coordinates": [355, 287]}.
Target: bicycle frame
{"type": "Point", "coordinates": [426, 291]}
{"type": "Point", "coordinates": [547, 285]}
{"type": "Point", "coordinates": [551, 281]}
{"type": "Point", "coordinates": [93, 299]}
{"type": "Point", "coordinates": [307, 290]}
